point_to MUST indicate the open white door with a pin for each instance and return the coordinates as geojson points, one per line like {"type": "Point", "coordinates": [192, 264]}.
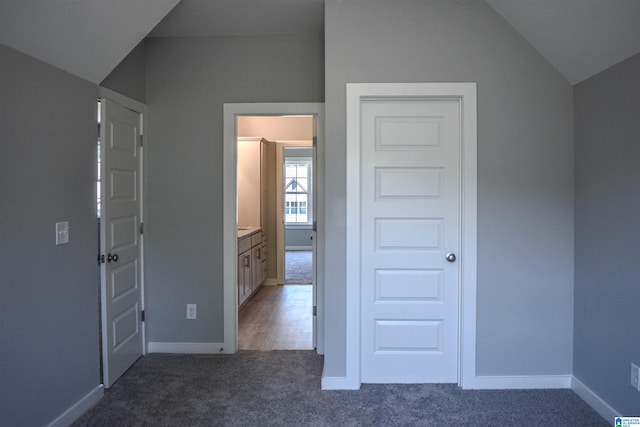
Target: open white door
{"type": "Point", "coordinates": [314, 236]}
{"type": "Point", "coordinates": [120, 240]}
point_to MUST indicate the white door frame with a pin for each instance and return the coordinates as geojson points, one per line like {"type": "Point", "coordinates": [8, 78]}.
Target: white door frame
{"type": "Point", "coordinates": [466, 94]}
{"type": "Point", "coordinates": [141, 109]}
{"type": "Point", "coordinates": [229, 233]}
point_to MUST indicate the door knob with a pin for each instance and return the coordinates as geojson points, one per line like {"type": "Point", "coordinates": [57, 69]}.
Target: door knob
{"type": "Point", "coordinates": [113, 257]}
{"type": "Point", "coordinates": [451, 257]}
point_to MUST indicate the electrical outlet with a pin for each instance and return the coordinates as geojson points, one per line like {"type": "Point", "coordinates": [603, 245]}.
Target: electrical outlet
{"type": "Point", "coordinates": [62, 233]}
{"type": "Point", "coordinates": [192, 311]}
{"type": "Point", "coordinates": [635, 377]}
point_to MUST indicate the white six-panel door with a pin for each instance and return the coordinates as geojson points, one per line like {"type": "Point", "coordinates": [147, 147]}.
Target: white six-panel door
{"type": "Point", "coordinates": [409, 223]}
{"type": "Point", "coordinates": [122, 342]}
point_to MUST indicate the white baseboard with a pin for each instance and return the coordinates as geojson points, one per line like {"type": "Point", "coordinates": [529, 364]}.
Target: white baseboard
{"type": "Point", "coordinates": [600, 406]}
{"type": "Point", "coordinates": [272, 281]}
{"type": "Point", "coordinates": [185, 347]}
{"type": "Point", "coordinates": [298, 248]}
{"type": "Point", "coordinates": [338, 383]}
{"type": "Point", "coordinates": [477, 383]}
{"type": "Point", "coordinates": [517, 382]}
{"type": "Point", "coordinates": [78, 408]}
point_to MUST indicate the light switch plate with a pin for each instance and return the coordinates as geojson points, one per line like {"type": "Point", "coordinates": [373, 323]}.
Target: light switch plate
{"type": "Point", "coordinates": [62, 233]}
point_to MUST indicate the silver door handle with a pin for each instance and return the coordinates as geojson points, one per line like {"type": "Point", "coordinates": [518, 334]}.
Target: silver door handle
{"type": "Point", "coordinates": [451, 257]}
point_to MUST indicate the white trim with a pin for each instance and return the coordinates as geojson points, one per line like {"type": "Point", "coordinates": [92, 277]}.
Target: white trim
{"type": "Point", "coordinates": [229, 210]}
{"type": "Point", "coordinates": [187, 347]}
{"type": "Point", "coordinates": [271, 281]}
{"type": "Point", "coordinates": [299, 248]}
{"type": "Point", "coordinates": [338, 383]}
{"type": "Point", "coordinates": [124, 100]}
{"type": "Point", "coordinates": [466, 93]}
{"type": "Point", "coordinates": [78, 408]}
{"type": "Point", "coordinates": [596, 402]}
{"type": "Point", "coordinates": [514, 382]}
{"type": "Point", "coordinates": [298, 226]}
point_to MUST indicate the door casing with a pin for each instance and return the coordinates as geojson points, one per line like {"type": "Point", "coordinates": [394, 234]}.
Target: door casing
{"type": "Point", "coordinates": [230, 237]}
{"type": "Point", "coordinates": [466, 94]}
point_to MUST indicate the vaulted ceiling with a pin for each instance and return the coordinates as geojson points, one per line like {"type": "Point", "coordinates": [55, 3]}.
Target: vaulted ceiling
{"type": "Point", "coordinates": [89, 38]}
{"type": "Point", "coordinates": [580, 38]}
{"type": "Point", "coordinates": [86, 38]}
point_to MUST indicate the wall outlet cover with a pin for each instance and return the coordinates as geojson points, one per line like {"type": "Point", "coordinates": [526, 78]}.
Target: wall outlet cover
{"type": "Point", "coordinates": [62, 233]}
{"type": "Point", "coordinates": [192, 311]}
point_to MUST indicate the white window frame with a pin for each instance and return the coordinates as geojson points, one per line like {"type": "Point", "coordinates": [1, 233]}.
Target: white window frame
{"type": "Point", "coordinates": [309, 191]}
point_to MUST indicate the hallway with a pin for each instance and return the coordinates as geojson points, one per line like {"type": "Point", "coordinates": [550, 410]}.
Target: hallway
{"type": "Point", "coordinates": [277, 318]}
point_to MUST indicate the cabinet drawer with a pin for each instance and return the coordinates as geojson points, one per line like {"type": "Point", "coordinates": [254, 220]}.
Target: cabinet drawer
{"type": "Point", "coordinates": [256, 239]}
{"type": "Point", "coordinates": [244, 244]}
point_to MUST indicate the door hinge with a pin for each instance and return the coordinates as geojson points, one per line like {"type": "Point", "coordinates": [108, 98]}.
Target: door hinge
{"type": "Point", "coordinates": [315, 310]}
{"type": "Point", "coordinates": [314, 227]}
{"type": "Point", "coordinates": [100, 259]}
{"type": "Point", "coordinates": [142, 315]}
{"type": "Point", "coordinates": [141, 141]}
{"type": "Point", "coordinates": [141, 228]}
{"type": "Point", "coordinates": [315, 141]}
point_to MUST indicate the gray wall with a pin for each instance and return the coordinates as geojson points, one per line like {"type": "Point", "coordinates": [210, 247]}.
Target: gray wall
{"type": "Point", "coordinates": [48, 294]}
{"type": "Point", "coordinates": [525, 161]}
{"type": "Point", "coordinates": [607, 244]}
{"type": "Point", "coordinates": [188, 81]}
{"type": "Point", "coordinates": [128, 78]}
{"type": "Point", "coordinates": [297, 237]}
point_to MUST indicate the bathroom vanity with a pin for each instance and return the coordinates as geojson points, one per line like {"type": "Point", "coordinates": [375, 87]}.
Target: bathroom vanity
{"type": "Point", "coordinates": [252, 261]}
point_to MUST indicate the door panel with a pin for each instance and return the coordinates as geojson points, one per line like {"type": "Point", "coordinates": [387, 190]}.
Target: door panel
{"type": "Point", "coordinates": [122, 342]}
{"type": "Point", "coordinates": [410, 192]}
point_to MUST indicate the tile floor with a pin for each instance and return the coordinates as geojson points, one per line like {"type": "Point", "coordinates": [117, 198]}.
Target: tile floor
{"type": "Point", "coordinates": [277, 318]}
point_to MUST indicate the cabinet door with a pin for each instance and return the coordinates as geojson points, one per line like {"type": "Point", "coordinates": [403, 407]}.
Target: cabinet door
{"type": "Point", "coordinates": [263, 257]}
{"type": "Point", "coordinates": [244, 276]}
{"type": "Point", "coordinates": [256, 268]}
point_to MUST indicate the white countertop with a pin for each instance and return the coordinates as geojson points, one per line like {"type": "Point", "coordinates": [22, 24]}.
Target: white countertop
{"type": "Point", "coordinates": [245, 231]}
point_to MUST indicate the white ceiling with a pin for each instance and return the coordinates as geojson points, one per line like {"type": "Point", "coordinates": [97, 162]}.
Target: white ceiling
{"type": "Point", "coordinates": [579, 38]}
{"type": "Point", "coordinates": [89, 38]}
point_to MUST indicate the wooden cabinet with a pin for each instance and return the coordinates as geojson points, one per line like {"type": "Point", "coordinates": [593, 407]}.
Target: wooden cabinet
{"type": "Point", "coordinates": [251, 264]}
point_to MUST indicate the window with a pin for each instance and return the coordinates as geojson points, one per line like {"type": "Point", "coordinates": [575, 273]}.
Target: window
{"type": "Point", "coordinates": [297, 191]}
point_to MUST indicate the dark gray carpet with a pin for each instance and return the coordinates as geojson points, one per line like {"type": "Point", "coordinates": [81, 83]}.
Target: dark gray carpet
{"type": "Point", "coordinates": [298, 268]}
{"type": "Point", "coordinates": [282, 388]}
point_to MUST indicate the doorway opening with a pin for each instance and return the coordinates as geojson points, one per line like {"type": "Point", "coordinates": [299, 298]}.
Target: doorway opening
{"type": "Point", "coordinates": [274, 207]}
{"type": "Point", "coordinates": [255, 125]}
{"type": "Point", "coordinates": [298, 215]}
